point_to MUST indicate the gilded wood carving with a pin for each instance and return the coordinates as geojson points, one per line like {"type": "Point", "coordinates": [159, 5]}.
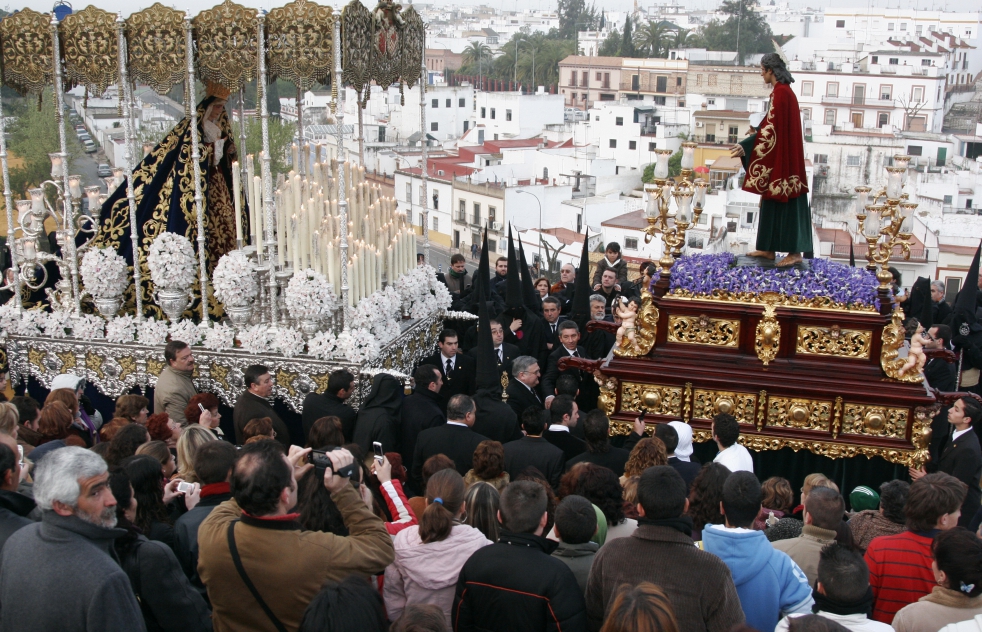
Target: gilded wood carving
{"type": "Point", "coordinates": [768, 336]}
{"type": "Point", "coordinates": [893, 339]}
{"type": "Point", "coordinates": [646, 330]}
{"type": "Point", "coordinates": [703, 330]}
{"type": "Point", "coordinates": [874, 421]}
{"type": "Point", "coordinates": [794, 412]}
{"type": "Point", "coordinates": [707, 404]}
{"type": "Point", "coordinates": [652, 398]}
{"type": "Point", "coordinates": [834, 341]}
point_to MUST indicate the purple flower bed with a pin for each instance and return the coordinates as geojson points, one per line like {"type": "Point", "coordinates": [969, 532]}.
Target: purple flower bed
{"type": "Point", "coordinates": [705, 274]}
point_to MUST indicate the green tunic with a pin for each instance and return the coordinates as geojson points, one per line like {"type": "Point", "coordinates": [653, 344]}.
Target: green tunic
{"type": "Point", "coordinates": [782, 226]}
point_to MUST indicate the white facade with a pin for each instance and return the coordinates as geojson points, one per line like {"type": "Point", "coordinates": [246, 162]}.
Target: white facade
{"type": "Point", "coordinates": [511, 115]}
{"type": "Point", "coordinates": [628, 132]}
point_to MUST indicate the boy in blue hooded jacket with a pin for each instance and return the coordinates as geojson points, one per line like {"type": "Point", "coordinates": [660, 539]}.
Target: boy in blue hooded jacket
{"type": "Point", "coordinates": [769, 583]}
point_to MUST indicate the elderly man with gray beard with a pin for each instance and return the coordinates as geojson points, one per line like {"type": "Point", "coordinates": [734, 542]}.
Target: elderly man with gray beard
{"type": "Point", "coordinates": [62, 573]}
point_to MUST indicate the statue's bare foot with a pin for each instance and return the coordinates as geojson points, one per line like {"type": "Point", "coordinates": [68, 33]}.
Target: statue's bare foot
{"type": "Point", "coordinates": [762, 254]}
{"type": "Point", "coordinates": [790, 260]}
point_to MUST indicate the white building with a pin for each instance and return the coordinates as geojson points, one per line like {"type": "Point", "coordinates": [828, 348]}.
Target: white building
{"type": "Point", "coordinates": [512, 115]}
{"type": "Point", "coordinates": [629, 132]}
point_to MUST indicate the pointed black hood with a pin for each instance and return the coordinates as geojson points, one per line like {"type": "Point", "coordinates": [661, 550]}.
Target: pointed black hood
{"type": "Point", "coordinates": [487, 378]}
{"type": "Point", "coordinates": [529, 293]}
{"type": "Point", "coordinates": [919, 304]}
{"type": "Point", "coordinates": [579, 311]}
{"type": "Point", "coordinates": [484, 267]}
{"type": "Point", "coordinates": [513, 282]}
{"type": "Point", "coordinates": [965, 301]}
{"type": "Point", "coordinates": [852, 254]}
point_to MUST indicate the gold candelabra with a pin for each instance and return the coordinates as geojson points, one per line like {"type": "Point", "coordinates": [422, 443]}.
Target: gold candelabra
{"type": "Point", "coordinates": [886, 221]}
{"type": "Point", "coordinates": [690, 197]}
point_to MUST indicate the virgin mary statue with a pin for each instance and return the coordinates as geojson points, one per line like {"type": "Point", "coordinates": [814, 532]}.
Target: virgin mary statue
{"type": "Point", "coordinates": [163, 184]}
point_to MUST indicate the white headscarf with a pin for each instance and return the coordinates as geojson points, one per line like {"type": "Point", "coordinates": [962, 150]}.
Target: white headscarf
{"type": "Point", "coordinates": [684, 449]}
{"type": "Point", "coordinates": [66, 380]}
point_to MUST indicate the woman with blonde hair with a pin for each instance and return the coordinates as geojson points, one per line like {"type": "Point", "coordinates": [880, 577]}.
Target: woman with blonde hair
{"type": "Point", "coordinates": [9, 419]}
{"type": "Point", "coordinates": [641, 608]}
{"type": "Point", "coordinates": [193, 437]}
{"type": "Point", "coordinates": [648, 452]}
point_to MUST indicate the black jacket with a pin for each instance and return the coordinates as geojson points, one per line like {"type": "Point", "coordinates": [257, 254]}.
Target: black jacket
{"type": "Point", "coordinates": [537, 452]}
{"type": "Point", "coordinates": [317, 405]}
{"type": "Point", "coordinates": [508, 353]}
{"type": "Point", "coordinates": [420, 411]}
{"type": "Point", "coordinates": [379, 415]}
{"type": "Point", "coordinates": [571, 446]}
{"type": "Point", "coordinates": [249, 407]}
{"type": "Point", "coordinates": [495, 419]}
{"type": "Point", "coordinates": [168, 601]}
{"type": "Point", "coordinates": [515, 585]}
{"type": "Point", "coordinates": [963, 460]}
{"type": "Point", "coordinates": [186, 537]}
{"type": "Point", "coordinates": [456, 442]}
{"type": "Point", "coordinates": [520, 397]}
{"type": "Point", "coordinates": [940, 374]}
{"type": "Point", "coordinates": [687, 469]}
{"type": "Point", "coordinates": [14, 508]}
{"type": "Point", "coordinates": [460, 381]}
{"type": "Point", "coordinates": [551, 372]}
{"type": "Point", "coordinates": [552, 337]}
{"type": "Point", "coordinates": [614, 459]}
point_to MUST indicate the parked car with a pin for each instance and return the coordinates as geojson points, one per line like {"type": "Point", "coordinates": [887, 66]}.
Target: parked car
{"type": "Point", "coordinates": [104, 170]}
{"type": "Point", "coordinates": [574, 114]}
{"type": "Point", "coordinates": [90, 147]}
{"type": "Point", "coordinates": [85, 138]}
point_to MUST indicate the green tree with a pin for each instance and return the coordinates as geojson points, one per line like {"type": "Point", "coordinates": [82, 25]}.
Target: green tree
{"type": "Point", "coordinates": [675, 163]}
{"type": "Point", "coordinates": [649, 38]}
{"type": "Point", "coordinates": [682, 38]}
{"type": "Point", "coordinates": [627, 40]}
{"type": "Point", "coordinates": [575, 16]}
{"type": "Point", "coordinates": [744, 31]}
{"type": "Point", "coordinates": [280, 143]}
{"type": "Point", "coordinates": [477, 52]}
{"type": "Point", "coordinates": [32, 137]}
{"type": "Point", "coordinates": [611, 46]}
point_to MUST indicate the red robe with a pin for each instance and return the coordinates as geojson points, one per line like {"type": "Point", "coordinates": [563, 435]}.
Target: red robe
{"type": "Point", "coordinates": [777, 162]}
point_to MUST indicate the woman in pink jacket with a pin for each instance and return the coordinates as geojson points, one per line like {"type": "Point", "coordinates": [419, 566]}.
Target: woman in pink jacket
{"type": "Point", "coordinates": [429, 556]}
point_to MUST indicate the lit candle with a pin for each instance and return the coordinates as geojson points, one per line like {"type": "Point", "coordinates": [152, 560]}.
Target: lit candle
{"type": "Point", "coordinates": [237, 200]}
{"type": "Point", "coordinates": [894, 182]}
{"type": "Point", "coordinates": [688, 155]}
{"type": "Point", "coordinates": [661, 164]}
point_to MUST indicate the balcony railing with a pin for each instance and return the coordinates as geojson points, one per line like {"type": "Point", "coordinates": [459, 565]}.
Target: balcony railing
{"type": "Point", "coordinates": [461, 217]}
{"type": "Point", "coordinates": [476, 220]}
{"type": "Point", "coordinates": [861, 101]}
{"type": "Point", "coordinates": [842, 250]}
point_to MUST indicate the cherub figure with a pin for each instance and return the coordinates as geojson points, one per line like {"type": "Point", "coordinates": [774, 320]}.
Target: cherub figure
{"type": "Point", "coordinates": [916, 358]}
{"type": "Point", "coordinates": [627, 312]}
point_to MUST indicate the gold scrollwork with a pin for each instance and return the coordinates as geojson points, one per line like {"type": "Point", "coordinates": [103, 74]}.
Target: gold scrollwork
{"type": "Point", "coordinates": [893, 339]}
{"type": "Point", "coordinates": [411, 46]}
{"type": "Point", "coordinates": [36, 357]}
{"type": "Point", "coordinates": [761, 410]}
{"type": "Point", "coordinates": [703, 330]}
{"type": "Point", "coordinates": [93, 362]}
{"type": "Point", "coordinates": [653, 398]}
{"type": "Point", "coordinates": [804, 414]}
{"type": "Point", "coordinates": [219, 373]}
{"type": "Point", "coordinates": [155, 46]}
{"type": "Point", "coordinates": [127, 367]}
{"type": "Point", "coordinates": [834, 341]}
{"type": "Point", "coordinates": [753, 298]}
{"type": "Point", "coordinates": [837, 420]}
{"type": "Point", "coordinates": [154, 366]}
{"type": "Point", "coordinates": [687, 403]}
{"type": "Point", "coordinates": [607, 401]}
{"type": "Point", "coordinates": [707, 404]}
{"type": "Point", "coordinates": [25, 39]}
{"type": "Point", "coordinates": [768, 338]}
{"type": "Point", "coordinates": [900, 456]}
{"type": "Point", "coordinates": [227, 44]}
{"type": "Point", "coordinates": [874, 421]}
{"type": "Point", "coordinates": [284, 380]}
{"type": "Point", "coordinates": [90, 46]}
{"type": "Point", "coordinates": [645, 332]}
{"type": "Point", "coordinates": [68, 361]}
{"type": "Point", "coordinates": [301, 43]}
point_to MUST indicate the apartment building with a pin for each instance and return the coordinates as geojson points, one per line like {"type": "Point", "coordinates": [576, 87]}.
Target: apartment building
{"type": "Point", "coordinates": [585, 80]}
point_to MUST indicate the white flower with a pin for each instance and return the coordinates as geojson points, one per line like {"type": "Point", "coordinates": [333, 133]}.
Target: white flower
{"type": "Point", "coordinates": [357, 345]}
{"type": "Point", "coordinates": [255, 339]}
{"type": "Point", "coordinates": [309, 295]}
{"type": "Point", "coordinates": [219, 337]}
{"type": "Point", "coordinates": [452, 315]}
{"type": "Point", "coordinates": [88, 327]}
{"type": "Point", "coordinates": [104, 273]}
{"type": "Point", "coordinates": [185, 331]}
{"type": "Point", "coordinates": [421, 293]}
{"type": "Point", "coordinates": [322, 345]}
{"type": "Point", "coordinates": [55, 323]}
{"type": "Point", "coordinates": [379, 313]}
{"type": "Point", "coordinates": [9, 318]}
{"type": "Point", "coordinates": [31, 321]}
{"type": "Point", "coordinates": [234, 280]}
{"type": "Point", "coordinates": [171, 261]}
{"type": "Point", "coordinates": [289, 342]}
{"type": "Point", "coordinates": [121, 329]}
{"type": "Point", "coordinates": [153, 333]}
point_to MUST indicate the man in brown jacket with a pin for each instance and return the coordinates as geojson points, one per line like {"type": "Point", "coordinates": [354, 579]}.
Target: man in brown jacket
{"type": "Point", "coordinates": [174, 387]}
{"type": "Point", "coordinates": [280, 568]}
{"type": "Point", "coordinates": [660, 551]}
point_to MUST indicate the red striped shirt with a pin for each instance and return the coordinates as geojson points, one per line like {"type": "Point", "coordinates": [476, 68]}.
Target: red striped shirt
{"type": "Point", "coordinates": [899, 572]}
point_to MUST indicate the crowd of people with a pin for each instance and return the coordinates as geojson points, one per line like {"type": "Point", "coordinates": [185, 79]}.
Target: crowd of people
{"type": "Point", "coordinates": [466, 505]}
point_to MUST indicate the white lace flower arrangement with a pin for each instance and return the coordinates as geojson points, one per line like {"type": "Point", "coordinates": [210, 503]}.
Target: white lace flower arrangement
{"type": "Point", "coordinates": [310, 295]}
{"type": "Point", "coordinates": [357, 345]}
{"type": "Point", "coordinates": [171, 261]}
{"type": "Point", "coordinates": [234, 280]}
{"type": "Point", "coordinates": [378, 312]}
{"type": "Point", "coordinates": [121, 329]}
{"type": "Point", "coordinates": [104, 273]}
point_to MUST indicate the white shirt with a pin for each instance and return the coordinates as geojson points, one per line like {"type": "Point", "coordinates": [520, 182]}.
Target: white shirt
{"type": "Point", "coordinates": [444, 359]}
{"type": "Point", "coordinates": [558, 428]}
{"type": "Point", "coordinates": [736, 458]}
{"type": "Point", "coordinates": [456, 423]}
{"type": "Point", "coordinates": [853, 622]}
{"type": "Point", "coordinates": [958, 433]}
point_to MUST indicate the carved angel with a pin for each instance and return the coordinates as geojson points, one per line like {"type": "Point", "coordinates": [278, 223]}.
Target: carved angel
{"type": "Point", "coordinates": [916, 358]}
{"type": "Point", "coordinates": [627, 312]}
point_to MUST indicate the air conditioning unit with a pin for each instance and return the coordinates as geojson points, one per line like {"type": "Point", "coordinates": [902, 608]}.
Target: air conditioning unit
{"type": "Point", "coordinates": [495, 225]}
{"type": "Point", "coordinates": [699, 124]}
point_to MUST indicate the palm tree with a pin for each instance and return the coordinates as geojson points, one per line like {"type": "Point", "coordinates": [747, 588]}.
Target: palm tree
{"type": "Point", "coordinates": [477, 53]}
{"type": "Point", "coordinates": [681, 37]}
{"type": "Point", "coordinates": [650, 37]}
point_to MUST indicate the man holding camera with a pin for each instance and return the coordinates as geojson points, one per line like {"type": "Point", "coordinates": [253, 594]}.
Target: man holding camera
{"type": "Point", "coordinates": [255, 541]}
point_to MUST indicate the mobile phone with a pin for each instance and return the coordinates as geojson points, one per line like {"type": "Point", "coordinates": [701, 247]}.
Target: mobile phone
{"type": "Point", "coordinates": [185, 488]}
{"type": "Point", "coordinates": [20, 451]}
{"type": "Point", "coordinates": [200, 407]}
{"type": "Point", "coordinates": [379, 455]}
{"type": "Point", "coordinates": [641, 416]}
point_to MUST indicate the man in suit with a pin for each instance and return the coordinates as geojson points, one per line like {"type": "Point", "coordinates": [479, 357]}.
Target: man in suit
{"type": "Point", "coordinates": [564, 415]}
{"type": "Point", "coordinates": [340, 386]}
{"type": "Point", "coordinates": [938, 372]}
{"type": "Point", "coordinates": [569, 336]}
{"type": "Point", "coordinates": [962, 456]}
{"type": "Point", "coordinates": [455, 439]}
{"type": "Point", "coordinates": [457, 369]}
{"type": "Point", "coordinates": [521, 390]}
{"type": "Point", "coordinates": [504, 352]}
{"type": "Point", "coordinates": [421, 410]}
{"type": "Point", "coordinates": [253, 403]}
{"type": "Point", "coordinates": [551, 307]}
{"type": "Point", "coordinates": [563, 289]}
{"type": "Point", "coordinates": [533, 450]}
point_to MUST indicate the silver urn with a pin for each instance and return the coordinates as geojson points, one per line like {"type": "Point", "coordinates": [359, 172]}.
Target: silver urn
{"type": "Point", "coordinates": [173, 301]}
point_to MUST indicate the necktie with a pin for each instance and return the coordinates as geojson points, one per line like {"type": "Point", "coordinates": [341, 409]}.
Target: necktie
{"type": "Point", "coordinates": [500, 359]}
{"type": "Point", "coordinates": [574, 354]}
{"type": "Point", "coordinates": [449, 368]}
{"type": "Point", "coordinates": [554, 328]}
